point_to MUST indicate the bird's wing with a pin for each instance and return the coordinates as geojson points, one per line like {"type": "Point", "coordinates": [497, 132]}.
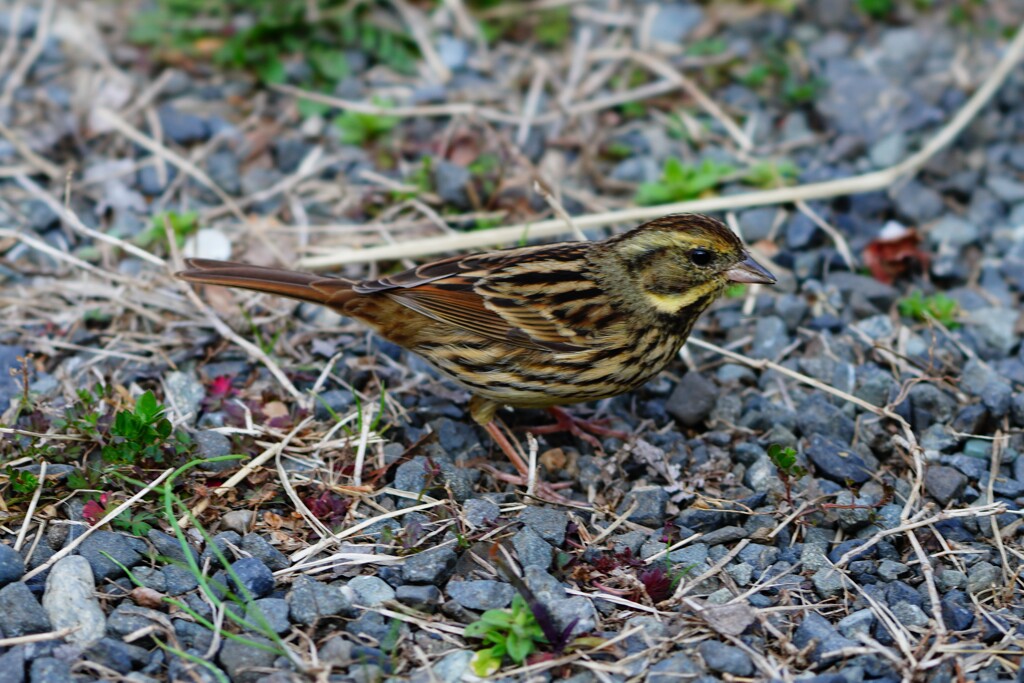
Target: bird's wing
{"type": "Point", "coordinates": [534, 297]}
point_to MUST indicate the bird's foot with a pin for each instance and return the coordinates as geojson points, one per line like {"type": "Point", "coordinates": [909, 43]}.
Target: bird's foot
{"type": "Point", "coordinates": [539, 488]}
{"type": "Point", "coordinates": [588, 430]}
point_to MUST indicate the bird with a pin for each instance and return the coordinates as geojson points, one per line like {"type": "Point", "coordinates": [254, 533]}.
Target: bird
{"type": "Point", "coordinates": [538, 326]}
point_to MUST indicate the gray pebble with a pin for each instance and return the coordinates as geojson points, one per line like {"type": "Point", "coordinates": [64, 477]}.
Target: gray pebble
{"type": "Point", "coordinates": [856, 623]}
{"type": "Point", "coordinates": [450, 182]}
{"type": "Point", "coordinates": [20, 612]}
{"type": "Point", "coordinates": [213, 444]}
{"type": "Point", "coordinates": [693, 399]}
{"type": "Point", "coordinates": [50, 670]}
{"type": "Point", "coordinates": [125, 550]}
{"type": "Point", "coordinates": [675, 21]}
{"type": "Point", "coordinates": [725, 659]}
{"type": "Point", "coordinates": [770, 337]}
{"type": "Point", "coordinates": [310, 600]}
{"type": "Point", "coordinates": [253, 578]}
{"type": "Point", "coordinates": [269, 612]}
{"type": "Point", "coordinates": [425, 598]}
{"type": "Point", "coordinates": [239, 659]}
{"type": "Point", "coordinates": [651, 503]}
{"type": "Point", "coordinates": [531, 549]}
{"type": "Point", "coordinates": [182, 127]}
{"type": "Point", "coordinates": [817, 631]}
{"type": "Point", "coordinates": [128, 618]}
{"type": "Point", "coordinates": [983, 577]}
{"type": "Point", "coordinates": [258, 547]}
{"type": "Point", "coordinates": [370, 591]}
{"type": "Point", "coordinates": [12, 566]}
{"type": "Point", "coordinates": [548, 523]}
{"type": "Point", "coordinates": [837, 462]}
{"type": "Point", "coordinates": [429, 566]}
{"type": "Point", "coordinates": [70, 601]}
{"type": "Point", "coordinates": [481, 595]}
{"type": "Point", "coordinates": [944, 484]}
{"type": "Point", "coordinates": [480, 512]}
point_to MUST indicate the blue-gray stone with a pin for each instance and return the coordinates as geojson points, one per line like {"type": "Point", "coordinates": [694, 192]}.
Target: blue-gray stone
{"type": "Point", "coordinates": [50, 670]}
{"type": "Point", "coordinates": [481, 595]}
{"type": "Point", "coordinates": [944, 484]}
{"type": "Point", "coordinates": [269, 612]}
{"type": "Point", "coordinates": [370, 591]}
{"type": "Point", "coordinates": [258, 547]}
{"type": "Point", "coordinates": [480, 512]}
{"type": "Point", "coordinates": [310, 600]}
{"type": "Point", "coordinates": [429, 566]}
{"type": "Point", "coordinates": [675, 21]}
{"type": "Point", "coordinates": [693, 399]}
{"type": "Point", "coordinates": [726, 659]}
{"type": "Point", "coordinates": [12, 566]}
{"type": "Point", "coordinates": [252, 578]}
{"type": "Point", "coordinates": [123, 550]}
{"type": "Point", "coordinates": [182, 127]}
{"type": "Point", "coordinates": [425, 598]}
{"type": "Point", "coordinates": [450, 182]}
{"type": "Point", "coordinates": [22, 614]}
{"type": "Point", "coordinates": [651, 503]}
{"type": "Point", "coordinates": [10, 387]}
{"type": "Point", "coordinates": [816, 631]}
{"type": "Point", "coordinates": [957, 610]}
{"type": "Point", "coordinates": [837, 462]}
{"type": "Point", "coordinates": [548, 523]}
{"type": "Point", "coordinates": [453, 52]}
{"type": "Point", "coordinates": [531, 549]}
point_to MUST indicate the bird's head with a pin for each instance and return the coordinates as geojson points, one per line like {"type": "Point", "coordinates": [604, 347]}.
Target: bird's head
{"type": "Point", "coordinates": [680, 261]}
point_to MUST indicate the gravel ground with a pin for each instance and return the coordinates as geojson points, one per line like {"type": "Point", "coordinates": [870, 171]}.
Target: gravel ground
{"type": "Point", "coordinates": [890, 550]}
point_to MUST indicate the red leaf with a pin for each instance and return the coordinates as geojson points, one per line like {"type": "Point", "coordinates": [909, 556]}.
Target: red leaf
{"type": "Point", "coordinates": [894, 252]}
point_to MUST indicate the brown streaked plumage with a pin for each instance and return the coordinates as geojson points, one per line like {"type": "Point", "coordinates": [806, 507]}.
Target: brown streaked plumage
{"type": "Point", "coordinates": [536, 327]}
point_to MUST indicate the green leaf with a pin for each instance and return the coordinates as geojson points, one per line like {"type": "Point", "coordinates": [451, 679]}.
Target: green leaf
{"type": "Point", "coordinates": [477, 629]}
{"type": "Point", "coordinates": [309, 108]}
{"type": "Point", "coordinates": [485, 663]}
{"type": "Point", "coordinates": [497, 617]}
{"type": "Point", "coordinates": [272, 71]}
{"type": "Point", "coordinates": [519, 648]}
{"type": "Point", "coordinates": [331, 64]}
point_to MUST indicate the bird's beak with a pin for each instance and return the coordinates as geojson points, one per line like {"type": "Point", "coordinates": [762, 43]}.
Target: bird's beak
{"type": "Point", "coordinates": [750, 271]}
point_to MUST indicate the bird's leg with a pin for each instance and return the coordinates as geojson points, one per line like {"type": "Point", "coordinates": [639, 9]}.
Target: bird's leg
{"type": "Point", "coordinates": [544, 489]}
{"type": "Point", "coordinates": [588, 430]}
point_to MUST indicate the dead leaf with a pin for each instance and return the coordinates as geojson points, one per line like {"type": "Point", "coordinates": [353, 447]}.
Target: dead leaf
{"type": "Point", "coordinates": [729, 620]}
{"type": "Point", "coordinates": [147, 597]}
{"type": "Point", "coordinates": [894, 252]}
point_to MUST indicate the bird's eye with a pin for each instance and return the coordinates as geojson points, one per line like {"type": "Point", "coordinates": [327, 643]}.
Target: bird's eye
{"type": "Point", "coordinates": [700, 257]}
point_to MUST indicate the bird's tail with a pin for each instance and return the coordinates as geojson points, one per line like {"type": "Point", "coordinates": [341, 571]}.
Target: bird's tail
{"type": "Point", "coordinates": [330, 291]}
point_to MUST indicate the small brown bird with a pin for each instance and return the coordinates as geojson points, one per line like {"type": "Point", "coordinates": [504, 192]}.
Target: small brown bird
{"type": "Point", "coordinates": [536, 327]}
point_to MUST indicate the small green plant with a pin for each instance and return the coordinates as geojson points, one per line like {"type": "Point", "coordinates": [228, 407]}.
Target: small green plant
{"type": "Point", "coordinates": [784, 459]}
{"type": "Point", "coordinates": [680, 182]}
{"type": "Point", "coordinates": [182, 225]}
{"type": "Point", "coordinates": [780, 72]}
{"type": "Point", "coordinates": [938, 307]}
{"type": "Point", "coordinates": [358, 128]}
{"type": "Point", "coordinates": [513, 632]}
{"type": "Point", "coordinates": [136, 523]}
{"type": "Point", "coordinates": [553, 27]}
{"type": "Point", "coordinates": [771, 174]}
{"type": "Point", "coordinates": [139, 434]}
{"type": "Point", "coordinates": [305, 42]}
{"type": "Point", "coordinates": [421, 177]}
{"type": "Point", "coordinates": [22, 482]}
{"type": "Point", "coordinates": [876, 9]}
{"type": "Point", "coordinates": [707, 47]}
{"type": "Point", "coordinates": [266, 344]}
